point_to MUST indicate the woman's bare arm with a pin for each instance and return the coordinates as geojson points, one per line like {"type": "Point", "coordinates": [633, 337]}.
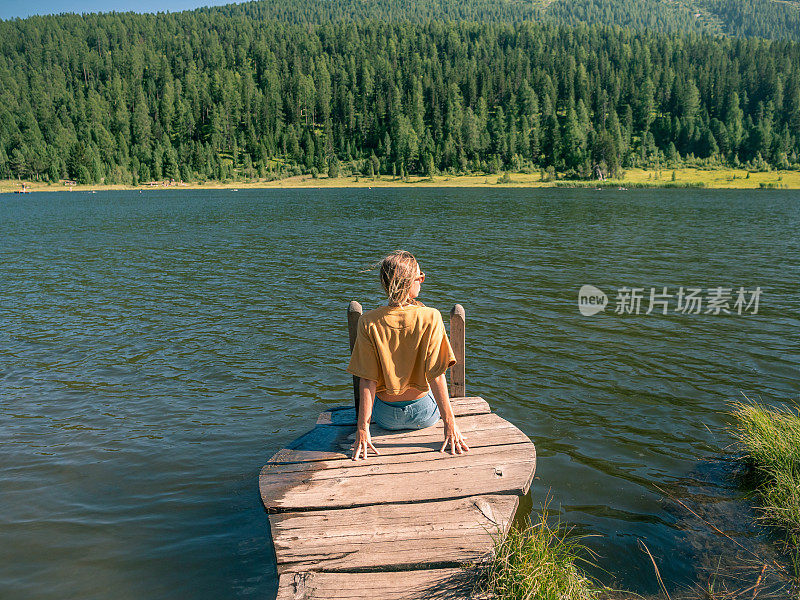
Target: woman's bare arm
{"type": "Point", "coordinates": [452, 434]}
{"type": "Point", "coordinates": [366, 390]}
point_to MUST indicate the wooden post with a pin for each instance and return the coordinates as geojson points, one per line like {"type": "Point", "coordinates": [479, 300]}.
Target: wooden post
{"type": "Point", "coordinates": [458, 340]}
{"type": "Point", "coordinates": [353, 315]}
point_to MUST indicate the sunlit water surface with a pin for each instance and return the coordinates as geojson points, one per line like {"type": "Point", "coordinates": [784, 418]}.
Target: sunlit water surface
{"type": "Point", "coordinates": [156, 348]}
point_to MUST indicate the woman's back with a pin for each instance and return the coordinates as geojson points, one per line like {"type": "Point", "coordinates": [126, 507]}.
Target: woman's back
{"type": "Point", "coordinates": [401, 348]}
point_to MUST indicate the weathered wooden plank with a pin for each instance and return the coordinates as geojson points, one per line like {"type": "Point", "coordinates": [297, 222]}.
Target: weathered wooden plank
{"type": "Point", "coordinates": [453, 549]}
{"type": "Point", "coordinates": [406, 464]}
{"type": "Point", "coordinates": [448, 532]}
{"type": "Point", "coordinates": [354, 312]}
{"type": "Point", "coordinates": [458, 334]}
{"type": "Point", "coordinates": [483, 445]}
{"type": "Point", "coordinates": [338, 415]}
{"type": "Point", "coordinates": [462, 406]}
{"type": "Point", "coordinates": [490, 507]}
{"type": "Point", "coordinates": [480, 429]}
{"type": "Point", "coordinates": [469, 405]}
{"type": "Point", "coordinates": [456, 478]}
{"type": "Point", "coordinates": [465, 423]}
{"type": "Point", "coordinates": [322, 442]}
{"type": "Point", "coordinates": [433, 584]}
{"type": "Point", "coordinates": [331, 442]}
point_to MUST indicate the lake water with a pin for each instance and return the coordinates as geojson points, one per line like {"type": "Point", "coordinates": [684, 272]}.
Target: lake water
{"type": "Point", "coordinates": [157, 348]}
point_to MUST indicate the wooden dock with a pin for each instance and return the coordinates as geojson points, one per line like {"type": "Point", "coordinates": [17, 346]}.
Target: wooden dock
{"type": "Point", "coordinates": [398, 525]}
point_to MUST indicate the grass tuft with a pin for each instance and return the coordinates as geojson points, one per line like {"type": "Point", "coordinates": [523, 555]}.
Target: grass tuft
{"type": "Point", "coordinates": [770, 438]}
{"type": "Point", "coordinates": [537, 562]}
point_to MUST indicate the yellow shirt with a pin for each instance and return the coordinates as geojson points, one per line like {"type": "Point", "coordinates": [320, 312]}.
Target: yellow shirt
{"type": "Point", "coordinates": [401, 347]}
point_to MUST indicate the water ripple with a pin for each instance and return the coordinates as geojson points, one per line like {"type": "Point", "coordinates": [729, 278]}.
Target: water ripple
{"type": "Point", "coordinates": [156, 350]}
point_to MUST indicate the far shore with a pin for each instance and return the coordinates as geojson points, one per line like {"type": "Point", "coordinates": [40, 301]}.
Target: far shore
{"type": "Point", "coordinates": [638, 178]}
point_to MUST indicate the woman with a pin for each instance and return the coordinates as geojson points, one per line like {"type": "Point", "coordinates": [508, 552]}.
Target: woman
{"type": "Point", "coordinates": [402, 353]}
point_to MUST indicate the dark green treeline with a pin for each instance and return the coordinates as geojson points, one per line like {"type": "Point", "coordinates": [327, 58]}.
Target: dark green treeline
{"type": "Point", "coordinates": [129, 98]}
{"type": "Point", "coordinates": [758, 18]}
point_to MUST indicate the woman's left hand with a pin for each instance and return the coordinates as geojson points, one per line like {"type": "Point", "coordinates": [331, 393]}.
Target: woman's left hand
{"type": "Point", "coordinates": [452, 436]}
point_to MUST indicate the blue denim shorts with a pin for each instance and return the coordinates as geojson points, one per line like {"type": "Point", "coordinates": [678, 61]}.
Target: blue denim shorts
{"type": "Point", "coordinates": [414, 414]}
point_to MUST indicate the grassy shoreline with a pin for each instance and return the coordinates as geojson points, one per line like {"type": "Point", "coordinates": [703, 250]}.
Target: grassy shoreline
{"type": "Point", "coordinates": [633, 178]}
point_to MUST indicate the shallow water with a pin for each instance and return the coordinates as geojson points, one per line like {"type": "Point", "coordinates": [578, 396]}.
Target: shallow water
{"type": "Point", "coordinates": [157, 348]}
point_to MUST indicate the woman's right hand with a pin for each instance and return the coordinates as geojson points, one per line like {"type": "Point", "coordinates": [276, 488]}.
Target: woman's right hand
{"type": "Point", "coordinates": [453, 437]}
{"type": "Point", "coordinates": [363, 441]}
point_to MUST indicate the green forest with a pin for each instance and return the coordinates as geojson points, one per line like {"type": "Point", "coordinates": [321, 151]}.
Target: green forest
{"type": "Point", "coordinates": [772, 19]}
{"type": "Point", "coordinates": [263, 90]}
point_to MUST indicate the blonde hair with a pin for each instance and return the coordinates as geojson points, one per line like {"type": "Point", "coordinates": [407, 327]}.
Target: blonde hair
{"type": "Point", "coordinates": [397, 272]}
